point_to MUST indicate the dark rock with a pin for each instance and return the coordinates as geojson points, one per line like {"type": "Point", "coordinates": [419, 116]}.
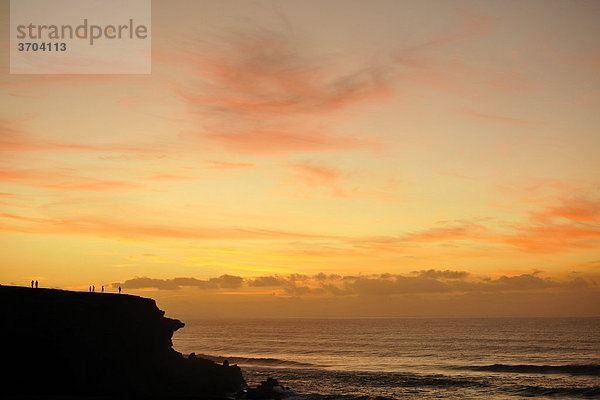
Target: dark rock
{"type": "Point", "coordinates": [57, 342]}
{"type": "Point", "coordinates": [269, 389]}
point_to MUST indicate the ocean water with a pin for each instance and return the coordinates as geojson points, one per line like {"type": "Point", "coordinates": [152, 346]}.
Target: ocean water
{"type": "Point", "coordinates": [546, 358]}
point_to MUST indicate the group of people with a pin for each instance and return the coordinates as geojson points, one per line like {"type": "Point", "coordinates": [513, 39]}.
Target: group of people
{"type": "Point", "coordinates": [93, 289]}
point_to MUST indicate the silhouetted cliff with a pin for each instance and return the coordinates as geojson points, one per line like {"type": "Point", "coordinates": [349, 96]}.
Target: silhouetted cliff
{"type": "Point", "coordinates": [75, 343]}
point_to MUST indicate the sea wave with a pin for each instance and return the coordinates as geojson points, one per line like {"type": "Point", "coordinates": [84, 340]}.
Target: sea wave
{"type": "Point", "coordinates": [325, 384]}
{"type": "Point", "coordinates": [525, 391]}
{"type": "Point", "coordinates": [570, 369]}
{"type": "Point", "coordinates": [319, 396]}
{"type": "Point", "coordinates": [271, 362]}
{"type": "Point", "coordinates": [538, 391]}
{"type": "Point", "coordinates": [357, 379]}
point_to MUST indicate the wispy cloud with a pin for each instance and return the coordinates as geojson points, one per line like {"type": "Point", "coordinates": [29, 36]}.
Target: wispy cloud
{"type": "Point", "coordinates": [571, 224]}
{"type": "Point", "coordinates": [127, 229]}
{"type": "Point", "coordinates": [426, 65]}
{"type": "Point", "coordinates": [64, 180]}
{"type": "Point", "coordinates": [319, 175]}
{"type": "Point", "coordinates": [472, 24]}
{"type": "Point", "coordinates": [269, 73]}
{"type": "Point", "coordinates": [308, 178]}
{"type": "Point", "coordinates": [573, 209]}
{"type": "Point", "coordinates": [17, 137]}
{"type": "Point", "coordinates": [494, 118]}
{"type": "Point", "coordinates": [168, 177]}
{"type": "Point", "coordinates": [567, 226]}
{"type": "Point", "coordinates": [571, 221]}
{"type": "Point", "coordinates": [216, 164]}
{"type": "Point", "coordinates": [262, 92]}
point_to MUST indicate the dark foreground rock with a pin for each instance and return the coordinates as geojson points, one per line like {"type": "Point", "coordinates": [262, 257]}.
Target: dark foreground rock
{"type": "Point", "coordinates": [269, 389]}
{"type": "Point", "coordinates": [56, 342]}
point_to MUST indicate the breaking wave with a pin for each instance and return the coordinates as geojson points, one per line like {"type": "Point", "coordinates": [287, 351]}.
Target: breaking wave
{"type": "Point", "coordinates": [535, 391]}
{"type": "Point", "coordinates": [270, 362]}
{"type": "Point", "coordinates": [571, 369]}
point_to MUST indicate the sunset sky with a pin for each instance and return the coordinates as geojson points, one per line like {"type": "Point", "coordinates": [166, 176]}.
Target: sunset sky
{"type": "Point", "coordinates": [319, 159]}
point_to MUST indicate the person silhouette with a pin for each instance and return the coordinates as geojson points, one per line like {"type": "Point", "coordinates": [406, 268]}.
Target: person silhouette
{"type": "Point", "coordinates": [32, 283]}
{"type": "Point", "coordinates": [119, 289]}
{"type": "Point", "coordinates": [90, 289]}
{"type": "Point", "coordinates": [102, 288]}
{"type": "Point", "coordinates": [36, 284]}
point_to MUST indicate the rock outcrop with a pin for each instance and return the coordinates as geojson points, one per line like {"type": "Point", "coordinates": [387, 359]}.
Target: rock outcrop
{"type": "Point", "coordinates": [57, 342]}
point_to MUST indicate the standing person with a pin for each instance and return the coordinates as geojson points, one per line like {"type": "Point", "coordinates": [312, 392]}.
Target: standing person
{"type": "Point", "coordinates": [32, 283]}
{"type": "Point", "coordinates": [102, 288]}
{"type": "Point", "coordinates": [36, 284]}
{"type": "Point", "coordinates": [119, 289]}
{"type": "Point", "coordinates": [90, 289]}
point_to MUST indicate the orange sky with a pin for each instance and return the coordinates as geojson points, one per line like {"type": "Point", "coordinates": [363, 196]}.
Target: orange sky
{"type": "Point", "coordinates": [336, 158]}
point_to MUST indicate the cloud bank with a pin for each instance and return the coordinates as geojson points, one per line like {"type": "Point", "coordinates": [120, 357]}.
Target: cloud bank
{"type": "Point", "coordinates": [416, 283]}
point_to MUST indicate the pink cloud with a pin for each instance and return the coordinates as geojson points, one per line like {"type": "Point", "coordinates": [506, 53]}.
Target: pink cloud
{"type": "Point", "coordinates": [265, 73]}
{"type": "Point", "coordinates": [472, 24]}
{"type": "Point", "coordinates": [545, 232]}
{"type": "Point", "coordinates": [16, 136]}
{"type": "Point", "coordinates": [168, 177]}
{"type": "Point", "coordinates": [422, 65]}
{"type": "Point", "coordinates": [463, 230]}
{"type": "Point", "coordinates": [549, 237]}
{"type": "Point", "coordinates": [117, 228]}
{"type": "Point", "coordinates": [577, 209]}
{"type": "Point", "coordinates": [215, 164]}
{"type": "Point", "coordinates": [314, 175]}
{"type": "Point", "coordinates": [317, 174]}
{"type": "Point", "coordinates": [571, 225]}
{"type": "Point", "coordinates": [63, 179]}
{"type": "Point", "coordinates": [27, 219]}
{"type": "Point", "coordinates": [262, 93]}
{"type": "Point", "coordinates": [275, 141]}
{"type": "Point", "coordinates": [309, 178]}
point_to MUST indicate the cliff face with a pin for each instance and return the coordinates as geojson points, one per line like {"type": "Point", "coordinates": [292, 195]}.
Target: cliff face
{"type": "Point", "coordinates": [76, 343]}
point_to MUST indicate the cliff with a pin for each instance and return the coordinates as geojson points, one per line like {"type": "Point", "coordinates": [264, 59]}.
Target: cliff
{"type": "Point", "coordinates": [57, 342]}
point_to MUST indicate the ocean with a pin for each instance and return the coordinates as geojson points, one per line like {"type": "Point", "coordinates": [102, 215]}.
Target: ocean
{"type": "Point", "coordinates": [504, 358]}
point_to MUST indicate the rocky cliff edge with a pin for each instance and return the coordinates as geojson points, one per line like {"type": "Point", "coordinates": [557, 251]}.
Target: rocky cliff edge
{"type": "Point", "coordinates": [57, 342]}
